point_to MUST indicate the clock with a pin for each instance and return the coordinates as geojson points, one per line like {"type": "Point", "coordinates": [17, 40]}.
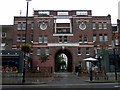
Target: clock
{"type": "Point", "coordinates": [82, 26]}
{"type": "Point", "coordinates": [43, 26]}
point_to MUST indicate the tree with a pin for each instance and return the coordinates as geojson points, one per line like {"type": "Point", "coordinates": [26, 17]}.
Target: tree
{"type": "Point", "coordinates": [44, 57]}
{"type": "Point", "coordinates": [26, 48]}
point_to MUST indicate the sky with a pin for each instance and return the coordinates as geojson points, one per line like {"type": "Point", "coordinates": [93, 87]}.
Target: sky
{"type": "Point", "coordinates": [11, 8]}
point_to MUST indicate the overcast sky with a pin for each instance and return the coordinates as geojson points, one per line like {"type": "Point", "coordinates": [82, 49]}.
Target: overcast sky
{"type": "Point", "coordinates": [11, 8]}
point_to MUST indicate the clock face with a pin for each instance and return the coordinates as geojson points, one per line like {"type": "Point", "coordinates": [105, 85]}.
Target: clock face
{"type": "Point", "coordinates": [82, 26]}
{"type": "Point", "coordinates": [43, 26]}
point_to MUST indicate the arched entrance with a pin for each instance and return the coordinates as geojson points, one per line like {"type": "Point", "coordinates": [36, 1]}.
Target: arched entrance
{"type": "Point", "coordinates": [63, 61]}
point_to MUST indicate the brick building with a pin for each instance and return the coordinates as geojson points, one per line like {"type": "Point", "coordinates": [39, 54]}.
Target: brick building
{"type": "Point", "coordinates": [75, 33]}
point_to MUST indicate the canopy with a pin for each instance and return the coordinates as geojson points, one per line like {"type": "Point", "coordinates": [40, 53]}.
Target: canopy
{"type": "Point", "coordinates": [90, 59]}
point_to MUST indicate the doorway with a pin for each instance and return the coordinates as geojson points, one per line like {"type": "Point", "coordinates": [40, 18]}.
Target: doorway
{"type": "Point", "coordinates": [63, 61]}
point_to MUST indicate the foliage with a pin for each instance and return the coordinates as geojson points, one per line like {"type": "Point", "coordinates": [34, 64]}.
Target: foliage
{"type": "Point", "coordinates": [44, 57]}
{"type": "Point", "coordinates": [27, 48]}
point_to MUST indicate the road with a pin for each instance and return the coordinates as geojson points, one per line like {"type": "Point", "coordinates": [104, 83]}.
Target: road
{"type": "Point", "coordinates": [64, 81]}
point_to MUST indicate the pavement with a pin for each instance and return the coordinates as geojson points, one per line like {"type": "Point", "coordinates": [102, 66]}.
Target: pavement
{"type": "Point", "coordinates": [57, 78]}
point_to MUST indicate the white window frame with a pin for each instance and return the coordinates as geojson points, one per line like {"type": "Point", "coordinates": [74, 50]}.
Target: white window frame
{"type": "Point", "coordinates": [45, 39]}
{"type": "Point", "coordinates": [105, 25]}
{"type": "Point", "coordinates": [19, 26]}
{"type": "Point", "coordinates": [38, 51]}
{"type": "Point", "coordinates": [44, 12]}
{"type": "Point", "coordinates": [47, 51]}
{"type": "Point", "coordinates": [60, 39]}
{"type": "Point", "coordinates": [100, 25]}
{"type": "Point", "coordinates": [18, 38]}
{"type": "Point", "coordinates": [105, 37]}
{"type": "Point", "coordinates": [23, 38]}
{"type": "Point", "coordinates": [24, 26]}
{"type": "Point", "coordinates": [81, 13]}
{"type": "Point", "coordinates": [101, 38]}
{"type": "Point", "coordinates": [88, 51]}
{"type": "Point", "coordinates": [94, 38]}
{"type": "Point", "coordinates": [3, 35]}
{"type": "Point", "coordinates": [40, 38]}
{"type": "Point", "coordinates": [94, 25]}
{"type": "Point", "coordinates": [79, 51]}
{"type": "Point", "coordinates": [62, 13]}
{"type": "Point", "coordinates": [32, 25]}
{"type": "Point", "coordinates": [116, 42]}
{"type": "Point", "coordinates": [80, 39]}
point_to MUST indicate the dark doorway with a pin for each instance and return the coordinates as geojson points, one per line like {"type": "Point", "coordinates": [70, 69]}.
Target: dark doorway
{"type": "Point", "coordinates": [63, 61]}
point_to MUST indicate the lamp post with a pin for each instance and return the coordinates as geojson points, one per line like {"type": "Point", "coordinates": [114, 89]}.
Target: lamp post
{"type": "Point", "coordinates": [23, 81]}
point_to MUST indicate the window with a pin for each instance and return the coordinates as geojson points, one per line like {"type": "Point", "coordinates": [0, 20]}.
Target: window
{"type": "Point", "coordinates": [3, 35]}
{"type": "Point", "coordinates": [23, 26]}
{"type": "Point", "coordinates": [81, 13]}
{"type": "Point", "coordinates": [101, 37]}
{"type": "Point", "coordinates": [100, 25]}
{"type": "Point", "coordinates": [38, 51]}
{"type": "Point", "coordinates": [32, 25]}
{"type": "Point", "coordinates": [65, 38]}
{"type": "Point", "coordinates": [40, 39]}
{"type": "Point", "coordinates": [85, 39]}
{"type": "Point", "coordinates": [62, 13]}
{"type": "Point", "coordinates": [47, 51]}
{"type": "Point", "coordinates": [94, 38]}
{"type": "Point", "coordinates": [94, 25]}
{"type": "Point", "coordinates": [105, 25]}
{"type": "Point", "coordinates": [87, 51]}
{"type": "Point", "coordinates": [80, 39]}
{"type": "Point", "coordinates": [60, 39]}
{"type": "Point", "coordinates": [23, 38]}
{"type": "Point", "coordinates": [105, 37]}
{"type": "Point", "coordinates": [79, 51]}
{"type": "Point", "coordinates": [19, 26]}
{"type": "Point", "coordinates": [44, 13]}
{"type": "Point", "coordinates": [45, 39]}
{"type": "Point", "coordinates": [2, 46]}
{"type": "Point", "coordinates": [18, 38]}
{"type": "Point", "coordinates": [116, 42]}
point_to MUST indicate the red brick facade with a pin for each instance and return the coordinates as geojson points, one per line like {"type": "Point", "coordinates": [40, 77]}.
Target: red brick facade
{"type": "Point", "coordinates": [81, 35]}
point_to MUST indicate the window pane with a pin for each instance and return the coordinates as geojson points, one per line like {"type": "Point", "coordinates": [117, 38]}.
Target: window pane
{"type": "Point", "coordinates": [32, 26]}
{"type": "Point", "coordinates": [18, 38]}
{"type": "Point", "coordinates": [105, 37]}
{"type": "Point", "coordinates": [40, 39]}
{"type": "Point", "coordinates": [60, 39]}
{"type": "Point", "coordinates": [80, 38]}
{"type": "Point", "coordinates": [45, 39]}
{"type": "Point", "coordinates": [101, 37]}
{"type": "Point", "coordinates": [79, 51]}
{"type": "Point", "coordinates": [94, 38]}
{"type": "Point", "coordinates": [24, 26]}
{"type": "Point", "coordinates": [38, 51]}
{"type": "Point", "coordinates": [19, 26]}
{"type": "Point", "coordinates": [100, 25]}
{"type": "Point", "coordinates": [23, 38]}
{"type": "Point", "coordinates": [87, 51]}
{"type": "Point", "coordinates": [94, 26]}
{"type": "Point", "coordinates": [65, 38]}
{"type": "Point", "coordinates": [105, 26]}
{"type": "Point", "coordinates": [85, 38]}
{"type": "Point", "coordinates": [47, 51]}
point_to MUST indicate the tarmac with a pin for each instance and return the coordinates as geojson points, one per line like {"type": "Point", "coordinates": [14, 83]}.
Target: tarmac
{"type": "Point", "coordinates": [57, 78]}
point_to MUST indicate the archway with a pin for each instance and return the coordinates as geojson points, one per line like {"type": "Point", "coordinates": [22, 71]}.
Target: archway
{"type": "Point", "coordinates": [63, 61]}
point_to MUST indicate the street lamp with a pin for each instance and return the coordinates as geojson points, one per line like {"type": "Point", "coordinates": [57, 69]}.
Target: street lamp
{"type": "Point", "coordinates": [23, 81]}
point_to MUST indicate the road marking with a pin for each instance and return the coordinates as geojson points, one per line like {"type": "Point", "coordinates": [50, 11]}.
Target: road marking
{"type": "Point", "coordinates": [62, 84]}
